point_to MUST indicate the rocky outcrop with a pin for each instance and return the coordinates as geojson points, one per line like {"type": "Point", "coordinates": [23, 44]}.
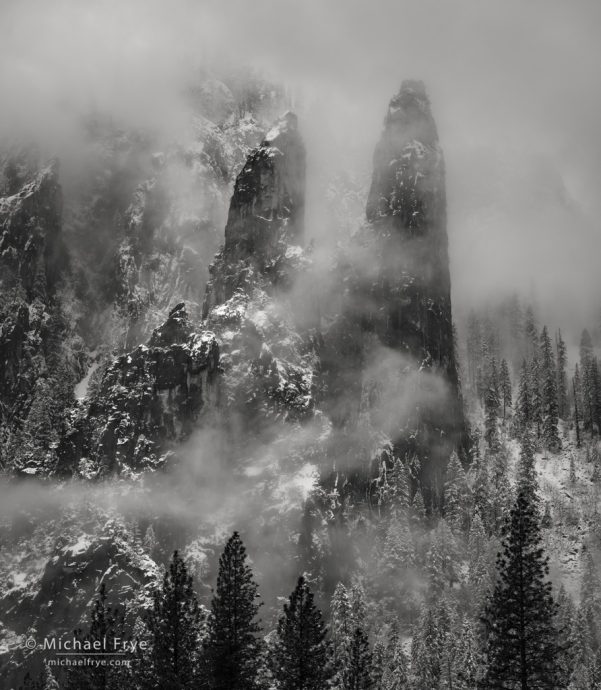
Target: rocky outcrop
{"type": "Point", "coordinates": [396, 326]}
{"type": "Point", "coordinates": [145, 402]}
{"type": "Point", "coordinates": [410, 296]}
{"type": "Point", "coordinates": [49, 592]}
{"type": "Point", "coordinates": [266, 217]}
{"type": "Point", "coordinates": [32, 254]}
{"type": "Point", "coordinates": [40, 354]}
{"type": "Point", "coordinates": [406, 209]}
{"type": "Point", "coordinates": [268, 364]}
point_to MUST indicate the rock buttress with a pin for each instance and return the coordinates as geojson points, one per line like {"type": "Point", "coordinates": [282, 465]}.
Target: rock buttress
{"type": "Point", "coordinates": [266, 216]}
{"type": "Point", "coordinates": [410, 295]}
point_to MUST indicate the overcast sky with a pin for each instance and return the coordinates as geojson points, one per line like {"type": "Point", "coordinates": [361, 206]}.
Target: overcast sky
{"type": "Point", "coordinates": [515, 89]}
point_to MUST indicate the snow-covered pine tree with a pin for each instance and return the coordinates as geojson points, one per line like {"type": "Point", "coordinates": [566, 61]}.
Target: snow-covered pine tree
{"type": "Point", "coordinates": [300, 659]}
{"type": "Point", "coordinates": [418, 509]}
{"type": "Point", "coordinates": [396, 673]}
{"type": "Point", "coordinates": [481, 491]}
{"type": "Point", "coordinates": [466, 660]}
{"type": "Point", "coordinates": [427, 650]}
{"type": "Point", "coordinates": [596, 392]}
{"type": "Point", "coordinates": [582, 654]}
{"type": "Point", "coordinates": [501, 495]}
{"type": "Point", "coordinates": [586, 381]}
{"type": "Point", "coordinates": [175, 623]}
{"type": "Point", "coordinates": [549, 399]}
{"type": "Point", "coordinates": [478, 564]}
{"type": "Point", "coordinates": [400, 487]}
{"type": "Point", "coordinates": [342, 625]}
{"type": "Point", "coordinates": [232, 649]}
{"type": "Point", "coordinates": [149, 542]}
{"type": "Point", "coordinates": [535, 390]}
{"type": "Point", "coordinates": [590, 598]}
{"type": "Point", "coordinates": [562, 379]}
{"type": "Point", "coordinates": [505, 386]}
{"type": "Point", "coordinates": [491, 409]}
{"type": "Point", "coordinates": [577, 388]}
{"type": "Point", "coordinates": [357, 674]}
{"type": "Point", "coordinates": [358, 604]}
{"type": "Point", "coordinates": [524, 415]}
{"type": "Point", "coordinates": [522, 641]}
{"type": "Point", "coordinates": [566, 614]}
{"type": "Point", "coordinates": [530, 332]}
{"type": "Point", "coordinates": [105, 623]}
{"type": "Point", "coordinates": [526, 470]}
{"type": "Point", "coordinates": [457, 499]}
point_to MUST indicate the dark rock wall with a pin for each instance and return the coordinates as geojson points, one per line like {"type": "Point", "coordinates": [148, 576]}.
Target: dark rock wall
{"type": "Point", "coordinates": [266, 215]}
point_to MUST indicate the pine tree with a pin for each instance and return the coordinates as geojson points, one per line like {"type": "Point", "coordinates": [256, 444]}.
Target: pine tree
{"type": "Point", "coordinates": [175, 626]}
{"type": "Point", "coordinates": [379, 664]}
{"type": "Point", "coordinates": [418, 509]}
{"type": "Point", "coordinates": [582, 653]}
{"type": "Point", "coordinates": [596, 392]}
{"type": "Point", "coordinates": [426, 651]}
{"type": "Point", "coordinates": [587, 383]}
{"type": "Point", "coordinates": [524, 401]}
{"type": "Point", "coordinates": [48, 681]}
{"type": "Point", "coordinates": [456, 495]}
{"type": "Point", "coordinates": [232, 648]}
{"type": "Point", "coordinates": [357, 674]}
{"type": "Point", "coordinates": [522, 642]}
{"type": "Point", "coordinates": [526, 474]}
{"type": "Point", "coordinates": [530, 332]}
{"type": "Point", "coordinates": [342, 625]}
{"type": "Point", "coordinates": [536, 397]}
{"type": "Point", "coordinates": [106, 623]}
{"type": "Point", "coordinates": [590, 598]}
{"type": "Point", "coordinates": [491, 407]}
{"type": "Point", "coordinates": [482, 492]}
{"type": "Point", "coordinates": [576, 387]}
{"type": "Point", "coordinates": [396, 673]}
{"type": "Point", "coordinates": [300, 659]}
{"type": "Point", "coordinates": [502, 495]}
{"type": "Point", "coordinates": [549, 401]}
{"type": "Point", "coordinates": [150, 541]}
{"type": "Point", "coordinates": [400, 488]}
{"type": "Point", "coordinates": [566, 614]}
{"type": "Point", "coordinates": [466, 663]}
{"type": "Point", "coordinates": [430, 652]}
{"type": "Point", "coordinates": [562, 381]}
{"type": "Point", "coordinates": [478, 570]}
{"type": "Point", "coordinates": [506, 391]}
{"type": "Point", "coordinates": [398, 552]}
{"type": "Point", "coordinates": [358, 604]}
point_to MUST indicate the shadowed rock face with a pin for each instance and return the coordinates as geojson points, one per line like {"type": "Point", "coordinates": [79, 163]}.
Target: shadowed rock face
{"type": "Point", "coordinates": [146, 401]}
{"type": "Point", "coordinates": [410, 298]}
{"type": "Point", "coordinates": [407, 210]}
{"type": "Point", "coordinates": [389, 357]}
{"type": "Point", "coordinates": [266, 215]}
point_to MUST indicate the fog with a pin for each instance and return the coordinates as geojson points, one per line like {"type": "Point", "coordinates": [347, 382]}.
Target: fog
{"type": "Point", "coordinates": [514, 89]}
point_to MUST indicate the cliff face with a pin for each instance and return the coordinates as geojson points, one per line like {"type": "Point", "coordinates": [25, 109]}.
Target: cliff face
{"type": "Point", "coordinates": [268, 363]}
{"type": "Point", "coordinates": [266, 216]}
{"type": "Point", "coordinates": [41, 356]}
{"type": "Point", "coordinates": [389, 362]}
{"type": "Point", "coordinates": [144, 403]}
{"type": "Point", "coordinates": [247, 362]}
{"type": "Point", "coordinates": [406, 209]}
{"type": "Point", "coordinates": [410, 296]}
